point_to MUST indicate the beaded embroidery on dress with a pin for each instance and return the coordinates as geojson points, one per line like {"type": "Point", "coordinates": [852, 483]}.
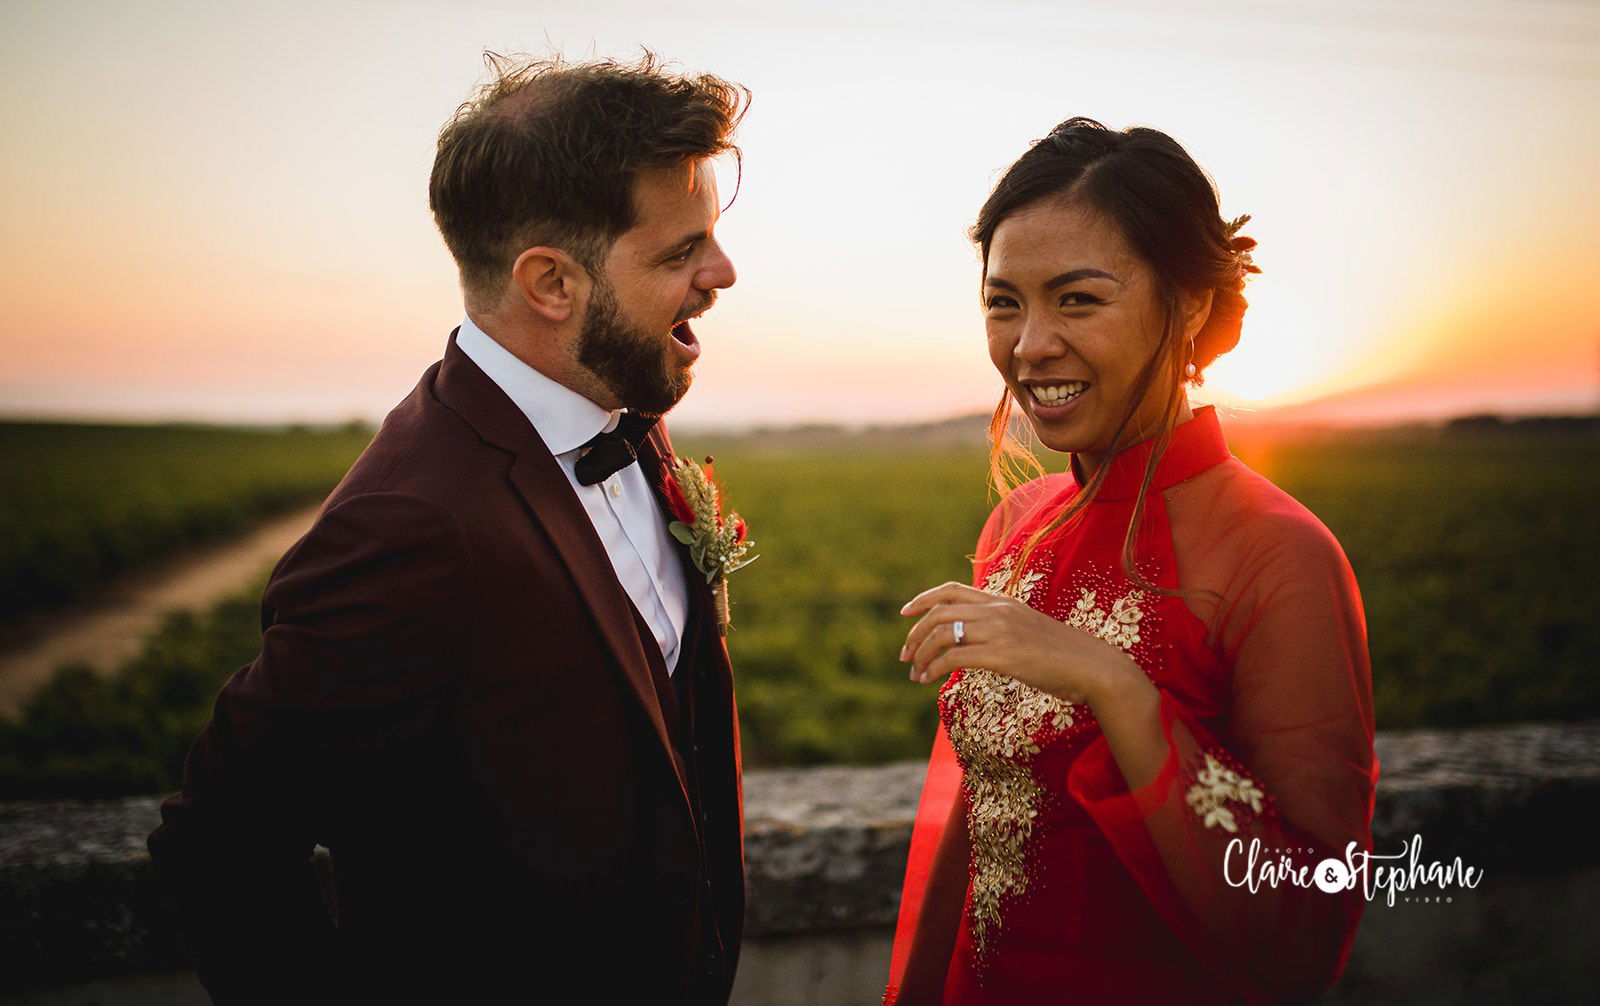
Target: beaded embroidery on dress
{"type": "Point", "coordinates": [999, 726]}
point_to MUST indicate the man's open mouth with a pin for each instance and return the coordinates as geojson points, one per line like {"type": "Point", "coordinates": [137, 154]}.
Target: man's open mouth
{"type": "Point", "coordinates": [685, 335]}
{"type": "Point", "coordinates": [685, 345]}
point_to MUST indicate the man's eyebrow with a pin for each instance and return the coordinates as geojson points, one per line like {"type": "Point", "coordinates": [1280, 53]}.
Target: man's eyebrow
{"type": "Point", "coordinates": [1070, 276]}
{"type": "Point", "coordinates": [689, 239]}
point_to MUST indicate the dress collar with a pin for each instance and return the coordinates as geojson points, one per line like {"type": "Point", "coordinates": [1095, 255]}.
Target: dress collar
{"type": "Point", "coordinates": [564, 419]}
{"type": "Point", "coordinates": [1197, 444]}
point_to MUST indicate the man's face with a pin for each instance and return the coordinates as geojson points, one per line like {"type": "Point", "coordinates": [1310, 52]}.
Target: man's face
{"type": "Point", "coordinates": [636, 337]}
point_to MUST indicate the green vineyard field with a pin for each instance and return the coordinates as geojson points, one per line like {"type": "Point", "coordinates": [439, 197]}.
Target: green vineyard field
{"type": "Point", "coordinates": [1470, 549]}
{"type": "Point", "coordinates": [80, 502]}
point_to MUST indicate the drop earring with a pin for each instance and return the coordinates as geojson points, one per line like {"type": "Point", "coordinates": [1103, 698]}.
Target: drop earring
{"type": "Point", "coordinates": [1189, 370]}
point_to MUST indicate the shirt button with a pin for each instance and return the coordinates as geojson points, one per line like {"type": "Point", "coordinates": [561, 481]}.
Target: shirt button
{"type": "Point", "coordinates": [616, 489]}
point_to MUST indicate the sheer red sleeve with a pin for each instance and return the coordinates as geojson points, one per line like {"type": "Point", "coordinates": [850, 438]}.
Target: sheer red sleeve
{"type": "Point", "coordinates": [937, 867]}
{"type": "Point", "coordinates": [1288, 770]}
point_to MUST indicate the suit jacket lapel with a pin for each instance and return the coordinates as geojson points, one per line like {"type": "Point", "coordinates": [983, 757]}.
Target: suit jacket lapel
{"type": "Point", "coordinates": [537, 476]}
{"type": "Point", "coordinates": [702, 618]}
{"type": "Point", "coordinates": [653, 455]}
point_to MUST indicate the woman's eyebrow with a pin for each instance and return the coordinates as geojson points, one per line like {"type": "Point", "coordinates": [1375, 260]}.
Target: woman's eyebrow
{"type": "Point", "coordinates": [1073, 275]}
{"type": "Point", "coordinates": [1070, 276]}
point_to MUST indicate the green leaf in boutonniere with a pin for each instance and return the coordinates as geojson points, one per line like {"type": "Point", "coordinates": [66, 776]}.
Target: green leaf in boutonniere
{"type": "Point", "coordinates": [717, 546]}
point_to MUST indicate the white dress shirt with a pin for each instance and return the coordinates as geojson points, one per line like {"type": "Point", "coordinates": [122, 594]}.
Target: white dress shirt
{"type": "Point", "coordinates": [622, 508]}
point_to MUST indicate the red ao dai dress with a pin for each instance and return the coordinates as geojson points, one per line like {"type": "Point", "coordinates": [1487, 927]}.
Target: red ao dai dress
{"type": "Point", "coordinates": [1076, 889]}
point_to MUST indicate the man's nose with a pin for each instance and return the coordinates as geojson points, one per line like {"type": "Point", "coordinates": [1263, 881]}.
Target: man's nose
{"type": "Point", "coordinates": [718, 271]}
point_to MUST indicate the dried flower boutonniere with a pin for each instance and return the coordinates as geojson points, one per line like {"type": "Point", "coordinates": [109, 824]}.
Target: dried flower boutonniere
{"type": "Point", "coordinates": [716, 545]}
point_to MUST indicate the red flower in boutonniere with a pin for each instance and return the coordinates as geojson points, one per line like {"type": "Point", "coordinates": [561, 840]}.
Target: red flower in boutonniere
{"type": "Point", "coordinates": [717, 546]}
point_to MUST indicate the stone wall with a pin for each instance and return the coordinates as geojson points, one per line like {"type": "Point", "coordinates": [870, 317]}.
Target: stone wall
{"type": "Point", "coordinates": [825, 848]}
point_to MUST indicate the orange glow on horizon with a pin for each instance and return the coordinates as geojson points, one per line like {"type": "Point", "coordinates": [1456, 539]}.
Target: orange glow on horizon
{"type": "Point", "coordinates": [259, 248]}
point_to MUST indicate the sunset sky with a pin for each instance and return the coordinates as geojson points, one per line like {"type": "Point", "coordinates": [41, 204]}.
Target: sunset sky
{"type": "Point", "coordinates": [219, 211]}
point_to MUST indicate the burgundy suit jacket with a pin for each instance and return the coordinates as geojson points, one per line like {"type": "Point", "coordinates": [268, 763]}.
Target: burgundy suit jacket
{"type": "Point", "coordinates": [458, 699]}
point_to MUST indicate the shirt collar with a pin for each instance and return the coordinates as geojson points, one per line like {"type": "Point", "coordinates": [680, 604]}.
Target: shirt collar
{"type": "Point", "coordinates": [564, 419]}
{"type": "Point", "coordinates": [1197, 444]}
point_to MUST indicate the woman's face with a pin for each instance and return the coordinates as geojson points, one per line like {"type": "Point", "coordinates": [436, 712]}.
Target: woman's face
{"type": "Point", "coordinates": [1072, 316]}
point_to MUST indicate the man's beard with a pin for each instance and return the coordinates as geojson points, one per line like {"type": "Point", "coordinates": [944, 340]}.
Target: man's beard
{"type": "Point", "coordinates": [633, 363]}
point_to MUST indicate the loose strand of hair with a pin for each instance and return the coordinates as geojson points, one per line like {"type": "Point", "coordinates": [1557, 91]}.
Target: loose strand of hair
{"type": "Point", "coordinates": [1169, 425]}
{"type": "Point", "coordinates": [1081, 500]}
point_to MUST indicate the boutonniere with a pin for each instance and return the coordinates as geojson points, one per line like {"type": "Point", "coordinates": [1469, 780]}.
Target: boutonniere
{"type": "Point", "coordinates": [716, 545]}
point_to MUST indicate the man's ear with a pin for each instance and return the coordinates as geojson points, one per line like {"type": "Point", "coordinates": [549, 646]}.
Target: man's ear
{"type": "Point", "coordinates": [550, 281]}
{"type": "Point", "coordinates": [1196, 306]}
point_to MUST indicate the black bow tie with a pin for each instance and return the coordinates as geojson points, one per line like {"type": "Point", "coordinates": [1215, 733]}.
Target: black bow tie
{"type": "Point", "coordinates": [609, 453]}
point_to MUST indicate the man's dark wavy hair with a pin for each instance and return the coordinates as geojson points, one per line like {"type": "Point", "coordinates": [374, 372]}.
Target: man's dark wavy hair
{"type": "Point", "coordinates": [546, 152]}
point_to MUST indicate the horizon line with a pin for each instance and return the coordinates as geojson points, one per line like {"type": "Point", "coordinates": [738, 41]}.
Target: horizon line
{"type": "Point", "coordinates": [1279, 416]}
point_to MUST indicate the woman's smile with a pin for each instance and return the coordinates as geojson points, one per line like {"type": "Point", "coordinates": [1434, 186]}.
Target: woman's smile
{"type": "Point", "coordinates": [1050, 401]}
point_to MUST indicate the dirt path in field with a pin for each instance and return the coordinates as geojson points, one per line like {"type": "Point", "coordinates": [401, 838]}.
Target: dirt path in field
{"type": "Point", "coordinates": [109, 627]}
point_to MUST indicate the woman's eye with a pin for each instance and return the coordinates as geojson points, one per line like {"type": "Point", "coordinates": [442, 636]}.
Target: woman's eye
{"type": "Point", "coordinates": [1078, 300]}
{"type": "Point", "coordinates": [997, 302]}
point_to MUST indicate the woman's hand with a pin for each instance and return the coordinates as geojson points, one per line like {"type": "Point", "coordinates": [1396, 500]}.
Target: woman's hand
{"type": "Point", "coordinates": [1009, 637]}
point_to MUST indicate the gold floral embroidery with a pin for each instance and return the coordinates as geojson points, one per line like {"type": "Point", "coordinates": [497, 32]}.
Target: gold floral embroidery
{"type": "Point", "coordinates": [1215, 786]}
{"type": "Point", "coordinates": [995, 582]}
{"type": "Point", "coordinates": [996, 724]}
{"type": "Point", "coordinates": [1119, 628]}
{"type": "Point", "coordinates": [993, 720]}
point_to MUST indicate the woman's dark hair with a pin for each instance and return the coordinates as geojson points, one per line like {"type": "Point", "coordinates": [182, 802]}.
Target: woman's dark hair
{"type": "Point", "coordinates": [1167, 210]}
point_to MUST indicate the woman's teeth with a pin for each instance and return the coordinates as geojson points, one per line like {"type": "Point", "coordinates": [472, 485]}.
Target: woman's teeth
{"type": "Point", "coordinates": [1058, 394]}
